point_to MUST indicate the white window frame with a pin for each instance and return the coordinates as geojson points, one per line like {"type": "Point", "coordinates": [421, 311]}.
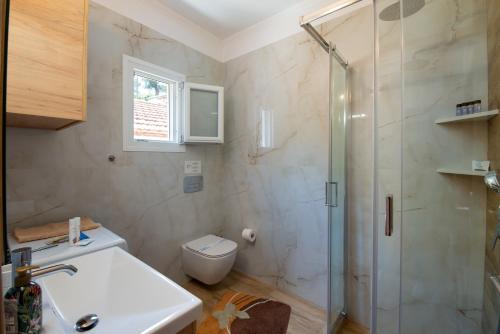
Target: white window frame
{"type": "Point", "coordinates": [187, 114]}
{"type": "Point", "coordinates": [132, 65]}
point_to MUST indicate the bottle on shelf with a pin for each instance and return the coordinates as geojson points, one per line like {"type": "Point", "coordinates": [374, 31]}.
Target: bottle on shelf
{"type": "Point", "coordinates": [477, 106]}
{"type": "Point", "coordinates": [470, 108]}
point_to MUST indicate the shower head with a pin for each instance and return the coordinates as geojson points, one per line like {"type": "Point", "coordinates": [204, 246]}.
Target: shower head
{"type": "Point", "coordinates": [393, 12]}
{"type": "Point", "coordinates": [491, 181]}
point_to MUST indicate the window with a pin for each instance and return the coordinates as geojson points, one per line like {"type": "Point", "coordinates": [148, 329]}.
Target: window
{"type": "Point", "coordinates": [161, 111]}
{"type": "Point", "coordinates": [204, 121]}
{"type": "Point", "coordinates": [152, 107]}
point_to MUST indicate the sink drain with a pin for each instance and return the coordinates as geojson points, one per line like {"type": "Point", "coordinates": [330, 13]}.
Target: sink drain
{"type": "Point", "coordinates": [86, 323]}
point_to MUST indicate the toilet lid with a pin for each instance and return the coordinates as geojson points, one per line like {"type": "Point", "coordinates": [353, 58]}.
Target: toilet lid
{"type": "Point", "coordinates": [212, 246]}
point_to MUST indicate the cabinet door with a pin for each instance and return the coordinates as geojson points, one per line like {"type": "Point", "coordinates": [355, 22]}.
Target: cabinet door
{"type": "Point", "coordinates": [47, 58]}
{"type": "Point", "coordinates": [204, 116]}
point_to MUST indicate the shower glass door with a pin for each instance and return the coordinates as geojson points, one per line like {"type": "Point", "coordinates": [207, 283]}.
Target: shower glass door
{"type": "Point", "coordinates": [443, 216]}
{"type": "Point", "coordinates": [429, 256]}
{"type": "Point", "coordinates": [388, 172]}
{"type": "Point", "coordinates": [336, 193]}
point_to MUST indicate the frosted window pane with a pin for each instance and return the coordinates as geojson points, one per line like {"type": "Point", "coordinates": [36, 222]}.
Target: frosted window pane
{"type": "Point", "coordinates": [204, 113]}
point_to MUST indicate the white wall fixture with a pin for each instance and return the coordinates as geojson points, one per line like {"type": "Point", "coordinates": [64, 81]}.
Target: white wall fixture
{"type": "Point", "coordinates": [266, 129]}
{"type": "Point", "coordinates": [192, 167]}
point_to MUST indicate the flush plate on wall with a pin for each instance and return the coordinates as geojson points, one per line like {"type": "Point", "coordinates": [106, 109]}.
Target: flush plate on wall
{"type": "Point", "coordinates": [193, 184]}
{"type": "Point", "coordinates": [192, 167]}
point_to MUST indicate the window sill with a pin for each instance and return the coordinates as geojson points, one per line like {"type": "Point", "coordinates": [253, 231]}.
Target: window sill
{"type": "Point", "coordinates": [153, 147]}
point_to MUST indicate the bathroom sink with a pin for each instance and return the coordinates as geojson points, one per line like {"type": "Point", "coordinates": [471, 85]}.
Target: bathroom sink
{"type": "Point", "coordinates": [127, 295]}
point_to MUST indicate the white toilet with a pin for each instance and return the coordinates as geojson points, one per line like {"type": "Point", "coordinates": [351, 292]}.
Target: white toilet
{"type": "Point", "coordinates": [208, 259]}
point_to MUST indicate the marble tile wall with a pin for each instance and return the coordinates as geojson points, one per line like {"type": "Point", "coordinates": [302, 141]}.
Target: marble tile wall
{"type": "Point", "coordinates": [53, 175]}
{"type": "Point", "coordinates": [443, 217]}
{"type": "Point", "coordinates": [430, 271]}
{"type": "Point", "coordinates": [491, 315]}
{"type": "Point", "coordinates": [279, 191]}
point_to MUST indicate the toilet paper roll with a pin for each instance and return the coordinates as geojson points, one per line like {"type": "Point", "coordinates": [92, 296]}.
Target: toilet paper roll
{"type": "Point", "coordinates": [249, 235]}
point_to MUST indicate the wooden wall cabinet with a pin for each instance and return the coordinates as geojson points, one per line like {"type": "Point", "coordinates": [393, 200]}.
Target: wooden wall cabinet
{"type": "Point", "coordinates": [47, 63]}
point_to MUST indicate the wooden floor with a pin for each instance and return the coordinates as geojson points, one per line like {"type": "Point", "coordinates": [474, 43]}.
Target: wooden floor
{"type": "Point", "coordinates": [305, 318]}
{"type": "Point", "coordinates": [353, 328]}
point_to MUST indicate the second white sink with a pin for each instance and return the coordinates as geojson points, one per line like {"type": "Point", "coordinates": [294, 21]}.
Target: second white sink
{"type": "Point", "coordinates": [127, 295]}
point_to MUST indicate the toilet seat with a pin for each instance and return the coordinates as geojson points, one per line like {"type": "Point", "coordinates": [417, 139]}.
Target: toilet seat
{"type": "Point", "coordinates": [212, 246]}
{"type": "Point", "coordinates": [209, 259]}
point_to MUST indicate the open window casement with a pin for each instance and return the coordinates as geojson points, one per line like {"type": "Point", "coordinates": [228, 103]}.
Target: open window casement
{"type": "Point", "coordinates": [161, 111]}
{"type": "Point", "coordinates": [203, 114]}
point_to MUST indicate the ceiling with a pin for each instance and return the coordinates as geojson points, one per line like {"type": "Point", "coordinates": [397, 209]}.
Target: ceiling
{"type": "Point", "coordinates": [224, 18]}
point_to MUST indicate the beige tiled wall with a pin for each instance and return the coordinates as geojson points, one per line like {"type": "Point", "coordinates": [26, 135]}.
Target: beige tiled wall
{"type": "Point", "coordinates": [491, 317]}
{"type": "Point", "coordinates": [280, 191]}
{"type": "Point", "coordinates": [55, 175]}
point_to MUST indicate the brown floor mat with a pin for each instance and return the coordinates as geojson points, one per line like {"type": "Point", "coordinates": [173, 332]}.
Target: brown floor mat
{"type": "Point", "coordinates": [240, 313]}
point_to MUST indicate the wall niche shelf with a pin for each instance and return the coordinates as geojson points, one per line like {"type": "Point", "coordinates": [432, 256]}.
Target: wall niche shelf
{"type": "Point", "coordinates": [461, 172]}
{"type": "Point", "coordinates": [480, 116]}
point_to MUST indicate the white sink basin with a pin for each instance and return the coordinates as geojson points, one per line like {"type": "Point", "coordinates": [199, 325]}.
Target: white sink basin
{"type": "Point", "coordinates": [127, 295]}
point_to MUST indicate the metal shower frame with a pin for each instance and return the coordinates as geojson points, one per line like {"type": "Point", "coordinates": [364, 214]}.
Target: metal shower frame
{"type": "Point", "coordinates": [306, 23]}
{"type": "Point", "coordinates": [307, 20]}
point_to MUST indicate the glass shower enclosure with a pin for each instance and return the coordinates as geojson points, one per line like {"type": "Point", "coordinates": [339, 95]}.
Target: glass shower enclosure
{"type": "Point", "coordinates": [336, 185]}
{"type": "Point", "coordinates": [336, 189]}
{"type": "Point", "coordinates": [430, 204]}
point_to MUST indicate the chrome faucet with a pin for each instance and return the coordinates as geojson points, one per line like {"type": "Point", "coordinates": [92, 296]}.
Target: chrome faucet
{"type": "Point", "coordinates": [66, 268]}
{"type": "Point", "coordinates": [21, 257]}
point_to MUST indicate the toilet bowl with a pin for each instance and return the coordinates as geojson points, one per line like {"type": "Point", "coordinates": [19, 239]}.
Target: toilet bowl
{"type": "Point", "coordinates": [208, 259]}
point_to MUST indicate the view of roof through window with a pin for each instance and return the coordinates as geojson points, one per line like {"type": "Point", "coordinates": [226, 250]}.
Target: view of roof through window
{"type": "Point", "coordinates": [151, 109]}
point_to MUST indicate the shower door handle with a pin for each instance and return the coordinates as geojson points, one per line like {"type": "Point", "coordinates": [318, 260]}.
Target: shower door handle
{"type": "Point", "coordinates": [328, 201]}
{"type": "Point", "coordinates": [389, 215]}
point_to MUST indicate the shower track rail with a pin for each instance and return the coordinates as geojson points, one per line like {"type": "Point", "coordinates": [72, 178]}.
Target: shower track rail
{"type": "Point", "coordinates": [307, 20]}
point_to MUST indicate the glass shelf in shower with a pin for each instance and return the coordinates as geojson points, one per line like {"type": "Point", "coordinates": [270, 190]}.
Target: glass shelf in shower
{"type": "Point", "coordinates": [461, 172]}
{"type": "Point", "coordinates": [480, 116]}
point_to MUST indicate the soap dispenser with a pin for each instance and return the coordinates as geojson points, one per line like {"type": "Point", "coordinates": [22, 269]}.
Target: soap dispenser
{"type": "Point", "coordinates": [23, 304]}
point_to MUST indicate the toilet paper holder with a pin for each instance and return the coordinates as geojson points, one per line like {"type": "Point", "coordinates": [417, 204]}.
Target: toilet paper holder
{"type": "Point", "coordinates": [249, 235]}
